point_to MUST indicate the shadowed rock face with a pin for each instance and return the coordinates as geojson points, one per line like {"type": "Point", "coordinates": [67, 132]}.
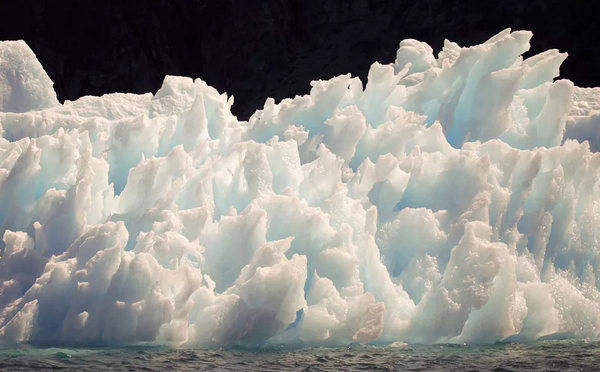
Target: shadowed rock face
{"type": "Point", "coordinates": [258, 49]}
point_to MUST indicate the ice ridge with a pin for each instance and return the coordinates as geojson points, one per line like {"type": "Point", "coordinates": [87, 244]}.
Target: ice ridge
{"type": "Point", "coordinates": [452, 199]}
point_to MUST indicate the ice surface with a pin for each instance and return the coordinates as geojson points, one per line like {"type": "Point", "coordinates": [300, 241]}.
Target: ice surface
{"type": "Point", "coordinates": [453, 199]}
{"type": "Point", "coordinates": [24, 85]}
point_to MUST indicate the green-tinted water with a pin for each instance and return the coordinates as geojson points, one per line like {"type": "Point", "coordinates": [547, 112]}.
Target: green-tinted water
{"type": "Point", "coordinates": [538, 356]}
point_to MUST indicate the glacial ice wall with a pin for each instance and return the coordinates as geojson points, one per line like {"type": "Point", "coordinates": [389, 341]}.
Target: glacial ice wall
{"type": "Point", "coordinates": [451, 199]}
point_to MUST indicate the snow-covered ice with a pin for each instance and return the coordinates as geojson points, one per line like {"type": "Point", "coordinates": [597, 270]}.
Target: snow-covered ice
{"type": "Point", "coordinates": [451, 199]}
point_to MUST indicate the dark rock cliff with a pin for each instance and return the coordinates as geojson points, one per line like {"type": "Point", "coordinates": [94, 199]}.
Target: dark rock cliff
{"type": "Point", "coordinates": [256, 49]}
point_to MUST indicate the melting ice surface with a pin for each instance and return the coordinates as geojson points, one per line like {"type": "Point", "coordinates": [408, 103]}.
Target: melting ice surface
{"type": "Point", "coordinates": [453, 199]}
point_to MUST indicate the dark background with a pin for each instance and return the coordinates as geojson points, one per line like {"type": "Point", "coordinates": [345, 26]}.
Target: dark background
{"type": "Point", "coordinates": [273, 48]}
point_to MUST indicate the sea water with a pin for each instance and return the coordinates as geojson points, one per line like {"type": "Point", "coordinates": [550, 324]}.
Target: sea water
{"type": "Point", "coordinates": [571, 355]}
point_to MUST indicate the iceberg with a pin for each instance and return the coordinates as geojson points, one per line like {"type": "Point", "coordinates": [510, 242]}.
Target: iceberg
{"type": "Point", "coordinates": [452, 199]}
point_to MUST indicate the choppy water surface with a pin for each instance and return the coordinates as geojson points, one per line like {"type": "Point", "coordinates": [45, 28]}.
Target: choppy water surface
{"type": "Point", "coordinates": [539, 356]}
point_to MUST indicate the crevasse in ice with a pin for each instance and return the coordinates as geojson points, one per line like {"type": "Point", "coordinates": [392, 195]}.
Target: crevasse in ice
{"type": "Point", "coordinates": [452, 199]}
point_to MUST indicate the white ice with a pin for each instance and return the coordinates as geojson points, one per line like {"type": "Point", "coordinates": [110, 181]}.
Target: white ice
{"type": "Point", "coordinates": [452, 199]}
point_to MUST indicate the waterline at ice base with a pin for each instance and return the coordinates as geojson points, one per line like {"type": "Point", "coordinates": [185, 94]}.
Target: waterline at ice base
{"type": "Point", "coordinates": [449, 199]}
